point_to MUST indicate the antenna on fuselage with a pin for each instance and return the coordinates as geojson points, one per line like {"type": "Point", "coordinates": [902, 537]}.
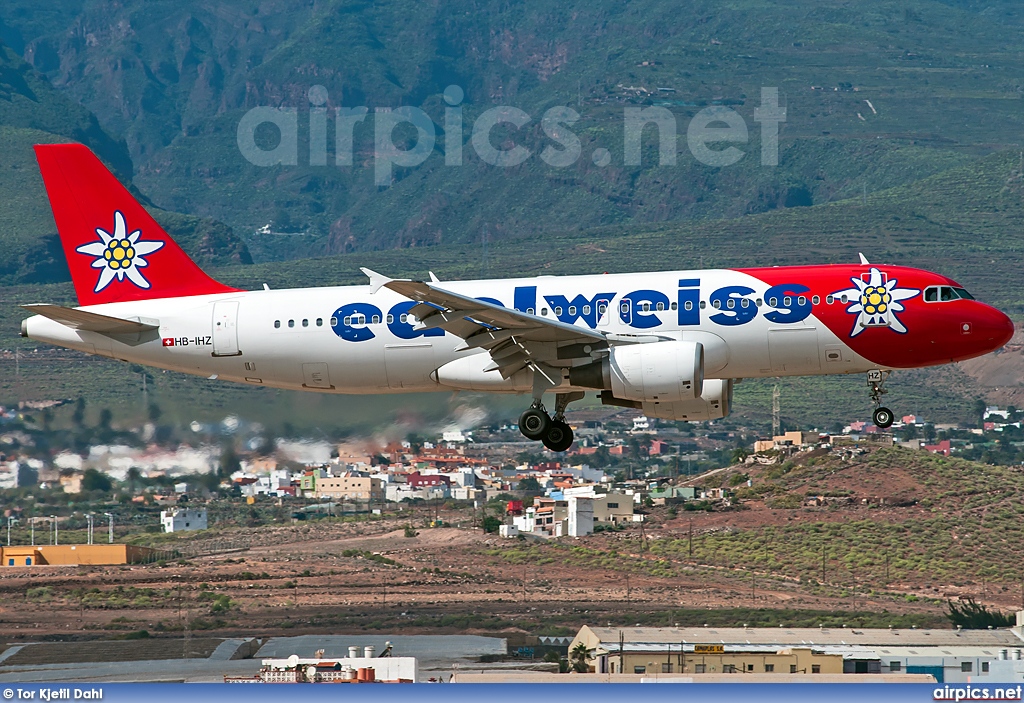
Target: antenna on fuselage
{"type": "Point", "coordinates": [863, 260]}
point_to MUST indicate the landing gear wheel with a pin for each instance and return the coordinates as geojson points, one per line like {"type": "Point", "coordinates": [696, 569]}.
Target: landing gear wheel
{"type": "Point", "coordinates": [883, 417]}
{"type": "Point", "coordinates": [559, 436]}
{"type": "Point", "coordinates": [534, 423]}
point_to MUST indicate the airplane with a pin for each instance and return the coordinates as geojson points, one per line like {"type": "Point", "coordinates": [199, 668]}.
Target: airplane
{"type": "Point", "coordinates": [670, 343]}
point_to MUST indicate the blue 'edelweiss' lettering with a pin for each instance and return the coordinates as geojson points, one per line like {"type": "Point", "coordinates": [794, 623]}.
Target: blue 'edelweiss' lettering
{"type": "Point", "coordinates": [636, 308]}
{"type": "Point", "coordinates": [786, 303]}
{"type": "Point", "coordinates": [736, 310]}
{"type": "Point", "coordinates": [579, 308]}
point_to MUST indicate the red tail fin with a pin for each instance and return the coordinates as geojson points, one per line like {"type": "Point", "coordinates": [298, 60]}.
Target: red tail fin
{"type": "Point", "coordinates": [116, 251]}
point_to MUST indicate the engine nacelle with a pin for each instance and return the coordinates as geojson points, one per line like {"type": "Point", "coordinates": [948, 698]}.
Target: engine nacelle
{"type": "Point", "coordinates": [713, 404]}
{"type": "Point", "coordinates": [661, 372]}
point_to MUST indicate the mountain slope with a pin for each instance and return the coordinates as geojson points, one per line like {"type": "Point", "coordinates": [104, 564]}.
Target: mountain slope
{"type": "Point", "coordinates": [176, 77]}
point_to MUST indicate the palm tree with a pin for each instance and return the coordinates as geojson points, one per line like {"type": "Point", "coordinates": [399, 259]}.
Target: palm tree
{"type": "Point", "coordinates": [578, 658]}
{"type": "Point", "coordinates": [133, 476]}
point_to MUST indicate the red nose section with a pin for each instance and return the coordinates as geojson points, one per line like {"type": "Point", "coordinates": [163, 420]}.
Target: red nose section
{"type": "Point", "coordinates": [987, 330]}
{"type": "Point", "coordinates": [1002, 330]}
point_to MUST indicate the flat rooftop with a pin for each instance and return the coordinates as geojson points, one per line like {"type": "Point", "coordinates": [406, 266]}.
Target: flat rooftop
{"type": "Point", "coordinates": [782, 637]}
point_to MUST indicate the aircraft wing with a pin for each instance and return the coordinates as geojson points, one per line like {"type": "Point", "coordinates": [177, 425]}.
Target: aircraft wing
{"type": "Point", "coordinates": [514, 339]}
{"type": "Point", "coordinates": [90, 321]}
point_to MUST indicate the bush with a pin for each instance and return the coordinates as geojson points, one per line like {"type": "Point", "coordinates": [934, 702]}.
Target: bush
{"type": "Point", "coordinates": [410, 531]}
{"type": "Point", "coordinates": [491, 524]}
{"type": "Point", "coordinates": [787, 501]}
{"type": "Point", "coordinates": [42, 593]}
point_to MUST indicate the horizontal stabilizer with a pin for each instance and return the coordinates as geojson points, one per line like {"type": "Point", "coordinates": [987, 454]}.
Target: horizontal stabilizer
{"type": "Point", "coordinates": [91, 321]}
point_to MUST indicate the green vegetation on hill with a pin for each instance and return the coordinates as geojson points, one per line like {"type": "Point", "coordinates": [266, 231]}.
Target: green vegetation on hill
{"type": "Point", "coordinates": [962, 523]}
{"type": "Point", "coordinates": [942, 80]}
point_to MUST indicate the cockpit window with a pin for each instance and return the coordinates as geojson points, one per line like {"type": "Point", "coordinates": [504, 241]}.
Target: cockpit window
{"type": "Point", "coordinates": [937, 294]}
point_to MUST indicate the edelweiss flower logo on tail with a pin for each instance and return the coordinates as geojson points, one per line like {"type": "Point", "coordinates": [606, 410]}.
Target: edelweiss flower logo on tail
{"type": "Point", "coordinates": [875, 302]}
{"type": "Point", "coordinates": [119, 255]}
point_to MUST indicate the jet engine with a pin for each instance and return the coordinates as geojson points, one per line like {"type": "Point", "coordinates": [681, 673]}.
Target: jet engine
{"type": "Point", "coordinates": [658, 372]}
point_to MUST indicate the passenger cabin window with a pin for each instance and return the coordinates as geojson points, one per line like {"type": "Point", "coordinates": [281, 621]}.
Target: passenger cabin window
{"type": "Point", "coordinates": [319, 322]}
{"type": "Point", "coordinates": [291, 323]}
{"type": "Point", "coordinates": [334, 322]}
{"type": "Point", "coordinates": [305, 323]}
{"type": "Point", "coordinates": [277, 324]}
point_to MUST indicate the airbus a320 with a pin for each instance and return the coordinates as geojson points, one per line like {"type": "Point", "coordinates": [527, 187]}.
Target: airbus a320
{"type": "Point", "coordinates": [670, 343]}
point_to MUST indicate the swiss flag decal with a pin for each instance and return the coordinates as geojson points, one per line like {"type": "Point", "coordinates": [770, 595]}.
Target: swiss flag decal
{"type": "Point", "coordinates": [168, 341]}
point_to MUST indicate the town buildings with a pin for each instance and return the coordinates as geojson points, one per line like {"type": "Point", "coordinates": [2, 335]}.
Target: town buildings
{"type": "Point", "coordinates": [951, 656]}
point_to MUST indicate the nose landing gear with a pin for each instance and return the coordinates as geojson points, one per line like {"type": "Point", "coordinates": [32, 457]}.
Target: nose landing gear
{"type": "Point", "coordinates": [555, 433]}
{"type": "Point", "coordinates": [882, 417]}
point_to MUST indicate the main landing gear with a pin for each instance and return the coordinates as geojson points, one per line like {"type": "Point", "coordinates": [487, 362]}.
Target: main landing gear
{"type": "Point", "coordinates": [882, 417]}
{"type": "Point", "coordinates": [554, 432]}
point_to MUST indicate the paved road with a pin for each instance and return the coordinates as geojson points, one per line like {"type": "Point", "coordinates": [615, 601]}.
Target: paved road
{"type": "Point", "coordinates": [435, 654]}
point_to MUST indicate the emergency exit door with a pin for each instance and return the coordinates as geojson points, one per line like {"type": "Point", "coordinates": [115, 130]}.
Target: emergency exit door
{"type": "Point", "coordinates": [225, 328]}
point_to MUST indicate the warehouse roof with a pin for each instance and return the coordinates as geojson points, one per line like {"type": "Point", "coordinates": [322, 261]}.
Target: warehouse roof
{"type": "Point", "coordinates": [644, 637]}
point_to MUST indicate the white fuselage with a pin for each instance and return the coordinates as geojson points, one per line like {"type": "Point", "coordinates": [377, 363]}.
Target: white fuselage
{"type": "Point", "coordinates": [355, 339]}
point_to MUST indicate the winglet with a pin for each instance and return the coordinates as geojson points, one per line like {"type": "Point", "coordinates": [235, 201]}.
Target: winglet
{"type": "Point", "coordinates": [864, 260]}
{"type": "Point", "coordinates": [377, 280]}
{"type": "Point", "coordinates": [433, 278]}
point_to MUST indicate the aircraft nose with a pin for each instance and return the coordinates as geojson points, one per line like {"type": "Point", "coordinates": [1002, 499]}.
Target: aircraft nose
{"type": "Point", "coordinates": [993, 328]}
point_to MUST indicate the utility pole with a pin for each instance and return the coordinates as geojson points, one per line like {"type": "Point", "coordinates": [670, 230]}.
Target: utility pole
{"type": "Point", "coordinates": [9, 521]}
{"type": "Point", "coordinates": [775, 410]}
{"type": "Point", "coordinates": [691, 539]}
{"type": "Point", "coordinates": [627, 587]}
{"type": "Point", "coordinates": [110, 527]}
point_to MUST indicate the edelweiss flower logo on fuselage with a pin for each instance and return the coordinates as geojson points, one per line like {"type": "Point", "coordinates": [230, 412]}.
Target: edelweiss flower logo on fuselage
{"type": "Point", "coordinates": [875, 302]}
{"type": "Point", "coordinates": [119, 255]}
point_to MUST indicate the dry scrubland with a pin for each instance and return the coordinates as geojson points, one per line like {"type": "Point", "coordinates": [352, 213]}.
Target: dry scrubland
{"type": "Point", "coordinates": [899, 532]}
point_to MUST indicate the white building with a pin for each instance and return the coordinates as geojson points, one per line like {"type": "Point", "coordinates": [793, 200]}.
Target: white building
{"type": "Point", "coordinates": [183, 519]}
{"type": "Point", "coordinates": [581, 516]}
